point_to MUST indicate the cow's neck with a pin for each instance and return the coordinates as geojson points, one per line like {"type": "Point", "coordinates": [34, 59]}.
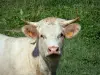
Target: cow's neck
{"type": "Point", "coordinates": [51, 64]}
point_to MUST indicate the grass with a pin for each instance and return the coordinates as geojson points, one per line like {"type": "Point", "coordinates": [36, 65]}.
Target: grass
{"type": "Point", "coordinates": [81, 54]}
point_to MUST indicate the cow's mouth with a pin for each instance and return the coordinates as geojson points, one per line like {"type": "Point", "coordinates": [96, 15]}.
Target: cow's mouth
{"type": "Point", "coordinates": [54, 55]}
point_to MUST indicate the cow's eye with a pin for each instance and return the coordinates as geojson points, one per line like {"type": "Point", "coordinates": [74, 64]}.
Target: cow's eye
{"type": "Point", "coordinates": [43, 36]}
{"type": "Point", "coordinates": [61, 35]}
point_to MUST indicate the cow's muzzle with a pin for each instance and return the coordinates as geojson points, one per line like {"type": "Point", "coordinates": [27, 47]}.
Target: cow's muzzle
{"type": "Point", "coordinates": [53, 51]}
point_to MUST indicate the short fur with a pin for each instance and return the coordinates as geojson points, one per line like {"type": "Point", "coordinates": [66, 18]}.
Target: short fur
{"type": "Point", "coordinates": [19, 56]}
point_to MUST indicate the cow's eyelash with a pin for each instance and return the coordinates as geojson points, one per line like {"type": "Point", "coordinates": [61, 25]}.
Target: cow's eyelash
{"type": "Point", "coordinates": [43, 36]}
{"type": "Point", "coordinates": [61, 35]}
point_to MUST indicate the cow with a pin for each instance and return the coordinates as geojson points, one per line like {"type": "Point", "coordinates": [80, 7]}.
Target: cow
{"type": "Point", "coordinates": [39, 52]}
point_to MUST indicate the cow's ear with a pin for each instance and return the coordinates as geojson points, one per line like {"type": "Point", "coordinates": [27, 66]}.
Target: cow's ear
{"type": "Point", "coordinates": [71, 30]}
{"type": "Point", "coordinates": [30, 31]}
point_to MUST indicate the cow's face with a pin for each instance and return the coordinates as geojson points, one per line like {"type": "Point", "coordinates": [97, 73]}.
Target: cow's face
{"type": "Point", "coordinates": [50, 39]}
{"type": "Point", "coordinates": [51, 32]}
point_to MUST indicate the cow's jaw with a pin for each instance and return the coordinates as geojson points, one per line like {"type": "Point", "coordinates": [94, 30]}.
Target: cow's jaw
{"type": "Point", "coordinates": [50, 60]}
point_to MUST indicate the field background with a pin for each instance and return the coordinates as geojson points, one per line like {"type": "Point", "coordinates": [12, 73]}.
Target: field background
{"type": "Point", "coordinates": [82, 53]}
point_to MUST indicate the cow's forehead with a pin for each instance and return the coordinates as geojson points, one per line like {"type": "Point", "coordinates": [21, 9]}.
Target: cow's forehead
{"type": "Point", "coordinates": [51, 29]}
{"type": "Point", "coordinates": [50, 26]}
{"type": "Point", "coordinates": [49, 19]}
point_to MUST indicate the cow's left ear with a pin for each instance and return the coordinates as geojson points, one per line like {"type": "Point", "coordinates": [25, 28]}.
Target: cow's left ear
{"type": "Point", "coordinates": [30, 31]}
{"type": "Point", "coordinates": [71, 30]}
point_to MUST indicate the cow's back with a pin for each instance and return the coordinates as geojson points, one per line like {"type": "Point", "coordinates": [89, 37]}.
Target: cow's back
{"type": "Point", "coordinates": [3, 59]}
{"type": "Point", "coordinates": [15, 56]}
{"type": "Point", "coordinates": [2, 42]}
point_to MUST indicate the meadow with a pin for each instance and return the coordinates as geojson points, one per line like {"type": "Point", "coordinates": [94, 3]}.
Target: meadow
{"type": "Point", "coordinates": [81, 54]}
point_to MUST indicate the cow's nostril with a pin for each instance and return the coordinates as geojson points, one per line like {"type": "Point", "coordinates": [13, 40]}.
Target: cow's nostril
{"type": "Point", "coordinates": [53, 50]}
{"type": "Point", "coordinates": [57, 49]}
{"type": "Point", "coordinates": [49, 50]}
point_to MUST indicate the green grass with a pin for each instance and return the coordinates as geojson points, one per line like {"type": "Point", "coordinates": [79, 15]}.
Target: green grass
{"type": "Point", "coordinates": [81, 54]}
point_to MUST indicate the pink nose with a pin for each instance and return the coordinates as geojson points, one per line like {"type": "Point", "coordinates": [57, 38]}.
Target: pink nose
{"type": "Point", "coordinates": [53, 50]}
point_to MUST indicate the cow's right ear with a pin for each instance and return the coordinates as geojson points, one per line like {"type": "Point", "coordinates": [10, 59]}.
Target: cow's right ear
{"type": "Point", "coordinates": [30, 31]}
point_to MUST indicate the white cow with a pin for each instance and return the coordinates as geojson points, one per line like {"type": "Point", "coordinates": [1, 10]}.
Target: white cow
{"type": "Point", "coordinates": [21, 56]}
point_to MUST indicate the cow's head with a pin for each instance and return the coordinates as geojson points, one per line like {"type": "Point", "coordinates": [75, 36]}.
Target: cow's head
{"type": "Point", "coordinates": [51, 32]}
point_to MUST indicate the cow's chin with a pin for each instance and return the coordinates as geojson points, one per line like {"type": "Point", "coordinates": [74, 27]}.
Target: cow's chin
{"type": "Point", "coordinates": [53, 55]}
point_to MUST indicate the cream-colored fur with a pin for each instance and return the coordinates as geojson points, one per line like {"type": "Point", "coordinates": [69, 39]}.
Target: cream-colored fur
{"type": "Point", "coordinates": [16, 57]}
{"type": "Point", "coordinates": [16, 53]}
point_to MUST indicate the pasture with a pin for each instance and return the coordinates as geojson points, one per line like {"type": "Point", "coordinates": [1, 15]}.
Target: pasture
{"type": "Point", "coordinates": [81, 54]}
